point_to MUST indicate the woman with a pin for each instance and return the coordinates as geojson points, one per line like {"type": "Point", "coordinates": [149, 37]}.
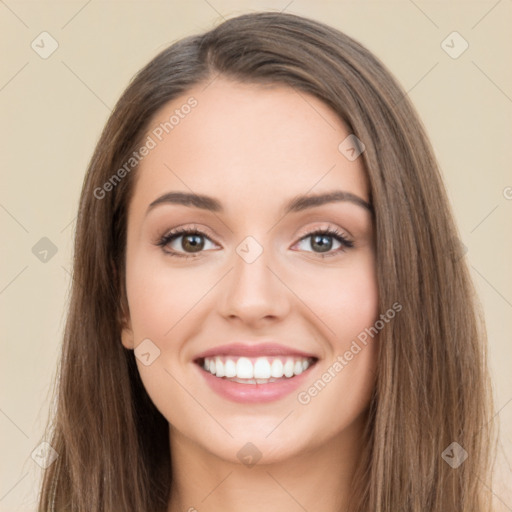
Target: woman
{"type": "Point", "coordinates": [270, 308]}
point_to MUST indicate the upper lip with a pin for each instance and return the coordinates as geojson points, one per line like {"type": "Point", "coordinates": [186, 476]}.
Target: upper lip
{"type": "Point", "coordinates": [253, 350]}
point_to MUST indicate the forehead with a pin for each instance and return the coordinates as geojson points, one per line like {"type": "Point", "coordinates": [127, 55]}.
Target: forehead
{"type": "Point", "coordinates": [246, 142]}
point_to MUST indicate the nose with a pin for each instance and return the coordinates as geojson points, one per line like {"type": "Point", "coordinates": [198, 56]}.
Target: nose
{"type": "Point", "coordinates": [253, 292]}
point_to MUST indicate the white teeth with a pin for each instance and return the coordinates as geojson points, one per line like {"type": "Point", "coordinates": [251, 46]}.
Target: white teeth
{"type": "Point", "coordinates": [277, 368]}
{"type": "Point", "coordinates": [230, 368]}
{"type": "Point", "coordinates": [262, 368]}
{"type": "Point", "coordinates": [219, 365]}
{"type": "Point", "coordinates": [256, 371]}
{"type": "Point", "coordinates": [244, 368]}
{"type": "Point", "coordinates": [288, 368]}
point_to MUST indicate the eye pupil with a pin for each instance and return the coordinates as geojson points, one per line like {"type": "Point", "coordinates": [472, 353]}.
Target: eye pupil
{"type": "Point", "coordinates": [194, 242]}
{"type": "Point", "coordinates": [324, 242]}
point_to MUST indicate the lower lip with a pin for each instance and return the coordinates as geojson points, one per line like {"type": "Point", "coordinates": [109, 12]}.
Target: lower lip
{"type": "Point", "coordinates": [254, 393]}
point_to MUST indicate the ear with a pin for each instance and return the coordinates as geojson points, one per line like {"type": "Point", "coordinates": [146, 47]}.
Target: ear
{"type": "Point", "coordinates": [127, 338]}
{"type": "Point", "coordinates": [127, 335]}
{"type": "Point", "coordinates": [124, 321]}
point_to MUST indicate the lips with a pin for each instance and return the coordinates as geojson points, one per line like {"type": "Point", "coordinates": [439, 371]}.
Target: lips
{"type": "Point", "coordinates": [260, 372]}
{"type": "Point", "coordinates": [253, 350]}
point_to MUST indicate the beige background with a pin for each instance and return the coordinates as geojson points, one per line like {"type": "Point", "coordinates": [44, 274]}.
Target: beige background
{"type": "Point", "coordinates": [54, 108]}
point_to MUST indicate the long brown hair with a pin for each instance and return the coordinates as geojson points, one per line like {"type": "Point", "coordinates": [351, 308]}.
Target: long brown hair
{"type": "Point", "coordinates": [432, 385]}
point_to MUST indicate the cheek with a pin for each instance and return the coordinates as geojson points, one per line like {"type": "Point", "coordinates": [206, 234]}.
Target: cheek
{"type": "Point", "coordinates": [344, 299]}
{"type": "Point", "coordinates": [159, 296]}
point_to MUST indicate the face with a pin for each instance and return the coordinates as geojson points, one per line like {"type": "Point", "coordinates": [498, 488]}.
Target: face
{"type": "Point", "coordinates": [268, 295]}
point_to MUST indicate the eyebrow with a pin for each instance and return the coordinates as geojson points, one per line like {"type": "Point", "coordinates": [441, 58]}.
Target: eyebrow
{"type": "Point", "coordinates": [296, 204]}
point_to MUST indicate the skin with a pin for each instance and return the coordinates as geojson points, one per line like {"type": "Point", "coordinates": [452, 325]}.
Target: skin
{"type": "Point", "coordinates": [253, 147]}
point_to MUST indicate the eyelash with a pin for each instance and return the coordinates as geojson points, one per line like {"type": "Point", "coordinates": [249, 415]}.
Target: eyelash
{"type": "Point", "coordinates": [176, 233]}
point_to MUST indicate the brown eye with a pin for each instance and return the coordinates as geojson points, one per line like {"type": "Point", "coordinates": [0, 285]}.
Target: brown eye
{"type": "Point", "coordinates": [184, 242]}
{"type": "Point", "coordinates": [192, 243]}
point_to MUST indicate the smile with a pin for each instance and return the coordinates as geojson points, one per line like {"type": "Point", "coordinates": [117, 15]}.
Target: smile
{"type": "Point", "coordinates": [255, 379]}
